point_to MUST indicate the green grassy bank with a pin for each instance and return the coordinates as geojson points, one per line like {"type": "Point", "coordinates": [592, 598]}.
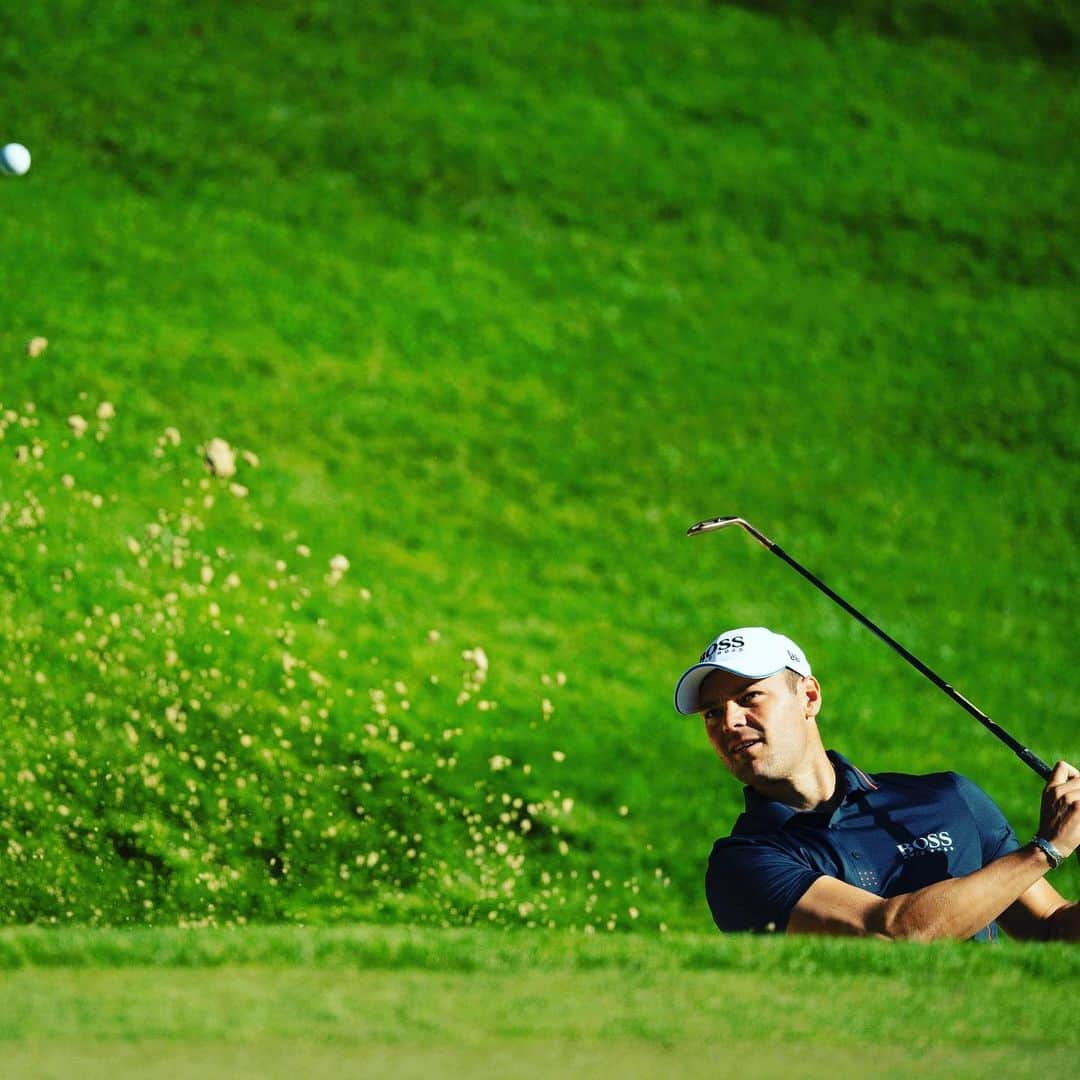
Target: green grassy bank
{"type": "Point", "coordinates": [498, 299]}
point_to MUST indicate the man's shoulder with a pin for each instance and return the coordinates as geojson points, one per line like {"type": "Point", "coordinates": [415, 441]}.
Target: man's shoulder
{"type": "Point", "coordinates": [738, 854]}
{"type": "Point", "coordinates": [750, 832]}
{"type": "Point", "coordinates": [749, 828]}
{"type": "Point", "coordinates": [858, 779]}
{"type": "Point", "coordinates": [935, 781]}
{"type": "Point", "coordinates": [925, 787]}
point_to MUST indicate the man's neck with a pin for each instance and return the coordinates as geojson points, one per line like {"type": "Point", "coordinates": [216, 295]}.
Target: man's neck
{"type": "Point", "coordinates": [810, 787]}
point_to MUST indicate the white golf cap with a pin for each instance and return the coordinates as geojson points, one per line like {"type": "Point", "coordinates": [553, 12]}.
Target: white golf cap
{"type": "Point", "coordinates": [751, 651]}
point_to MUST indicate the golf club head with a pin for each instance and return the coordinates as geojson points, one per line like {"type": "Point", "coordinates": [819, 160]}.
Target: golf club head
{"type": "Point", "coordinates": [712, 524]}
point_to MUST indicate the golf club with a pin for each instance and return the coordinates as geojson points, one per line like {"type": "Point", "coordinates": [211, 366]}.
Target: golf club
{"type": "Point", "coordinates": [1027, 756]}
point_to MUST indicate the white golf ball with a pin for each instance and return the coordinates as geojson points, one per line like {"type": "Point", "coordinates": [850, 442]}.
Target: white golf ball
{"type": "Point", "coordinates": [14, 159]}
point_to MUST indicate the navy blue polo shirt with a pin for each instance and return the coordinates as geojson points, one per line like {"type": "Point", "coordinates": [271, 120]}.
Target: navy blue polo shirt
{"type": "Point", "coordinates": [889, 834]}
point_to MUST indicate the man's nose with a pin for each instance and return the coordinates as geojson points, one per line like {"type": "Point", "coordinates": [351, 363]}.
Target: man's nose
{"type": "Point", "coordinates": [734, 716]}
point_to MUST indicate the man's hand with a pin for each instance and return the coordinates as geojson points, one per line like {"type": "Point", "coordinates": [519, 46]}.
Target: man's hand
{"type": "Point", "coordinates": [1059, 821]}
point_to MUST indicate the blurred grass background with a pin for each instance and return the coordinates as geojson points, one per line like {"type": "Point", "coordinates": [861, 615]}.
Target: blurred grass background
{"type": "Point", "coordinates": [503, 297]}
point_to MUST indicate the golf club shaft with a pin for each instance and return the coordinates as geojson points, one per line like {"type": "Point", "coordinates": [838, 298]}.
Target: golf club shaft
{"type": "Point", "coordinates": [1031, 759]}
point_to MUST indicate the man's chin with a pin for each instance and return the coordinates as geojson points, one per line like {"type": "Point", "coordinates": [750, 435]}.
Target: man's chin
{"type": "Point", "coordinates": [751, 770]}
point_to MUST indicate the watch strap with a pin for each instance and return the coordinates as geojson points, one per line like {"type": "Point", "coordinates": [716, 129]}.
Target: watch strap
{"type": "Point", "coordinates": [1052, 854]}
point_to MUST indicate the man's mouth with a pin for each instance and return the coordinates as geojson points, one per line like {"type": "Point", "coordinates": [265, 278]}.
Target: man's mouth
{"type": "Point", "coordinates": [742, 746]}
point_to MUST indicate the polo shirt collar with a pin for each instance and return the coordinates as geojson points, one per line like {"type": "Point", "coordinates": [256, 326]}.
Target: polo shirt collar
{"type": "Point", "coordinates": [850, 783]}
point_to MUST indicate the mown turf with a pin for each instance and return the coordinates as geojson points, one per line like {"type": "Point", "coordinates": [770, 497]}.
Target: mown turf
{"type": "Point", "coordinates": [373, 948]}
{"type": "Point", "coordinates": [504, 297]}
{"type": "Point", "coordinates": [249, 1022]}
{"type": "Point", "coordinates": [259, 1002]}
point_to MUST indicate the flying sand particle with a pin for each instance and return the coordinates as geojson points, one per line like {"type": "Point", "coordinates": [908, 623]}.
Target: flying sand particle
{"type": "Point", "coordinates": [220, 458]}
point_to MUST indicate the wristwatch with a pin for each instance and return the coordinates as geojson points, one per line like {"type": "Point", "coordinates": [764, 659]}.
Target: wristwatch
{"type": "Point", "coordinates": [1053, 855]}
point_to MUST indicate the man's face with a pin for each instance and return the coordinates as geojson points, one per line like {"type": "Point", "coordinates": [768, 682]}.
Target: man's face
{"type": "Point", "coordinates": [761, 728]}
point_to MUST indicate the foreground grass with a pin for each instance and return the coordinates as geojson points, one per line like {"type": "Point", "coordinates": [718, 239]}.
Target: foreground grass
{"type": "Point", "coordinates": [371, 947]}
{"type": "Point", "coordinates": [368, 1001]}
{"type": "Point", "coordinates": [254, 1022]}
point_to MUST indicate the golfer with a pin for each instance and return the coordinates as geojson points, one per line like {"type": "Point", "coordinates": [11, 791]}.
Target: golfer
{"type": "Point", "coordinates": [826, 848]}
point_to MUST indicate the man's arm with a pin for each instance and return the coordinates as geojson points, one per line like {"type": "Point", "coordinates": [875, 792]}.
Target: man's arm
{"type": "Point", "coordinates": [1010, 887]}
{"type": "Point", "coordinates": [954, 908]}
{"type": "Point", "coordinates": [1042, 914]}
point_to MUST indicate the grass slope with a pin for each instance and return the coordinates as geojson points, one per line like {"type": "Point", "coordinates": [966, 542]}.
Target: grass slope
{"type": "Point", "coordinates": [503, 297]}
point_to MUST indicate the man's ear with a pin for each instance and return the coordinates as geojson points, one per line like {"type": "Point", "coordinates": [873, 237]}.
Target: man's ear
{"type": "Point", "coordinates": [812, 689]}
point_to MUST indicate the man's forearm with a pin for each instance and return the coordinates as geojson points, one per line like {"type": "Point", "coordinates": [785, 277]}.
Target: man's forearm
{"type": "Point", "coordinates": [961, 907]}
{"type": "Point", "coordinates": [1064, 924]}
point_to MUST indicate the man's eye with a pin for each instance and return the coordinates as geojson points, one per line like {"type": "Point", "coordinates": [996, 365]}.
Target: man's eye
{"type": "Point", "coordinates": [747, 698]}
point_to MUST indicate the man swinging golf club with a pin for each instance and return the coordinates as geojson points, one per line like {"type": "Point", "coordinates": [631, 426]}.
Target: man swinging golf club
{"type": "Point", "coordinates": [823, 847]}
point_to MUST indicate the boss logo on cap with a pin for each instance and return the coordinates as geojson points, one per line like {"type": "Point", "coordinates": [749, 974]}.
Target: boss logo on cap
{"type": "Point", "coordinates": [722, 647]}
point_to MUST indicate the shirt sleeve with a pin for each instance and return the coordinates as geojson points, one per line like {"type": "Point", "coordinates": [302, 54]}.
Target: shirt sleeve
{"type": "Point", "coordinates": [754, 885]}
{"type": "Point", "coordinates": [995, 833]}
